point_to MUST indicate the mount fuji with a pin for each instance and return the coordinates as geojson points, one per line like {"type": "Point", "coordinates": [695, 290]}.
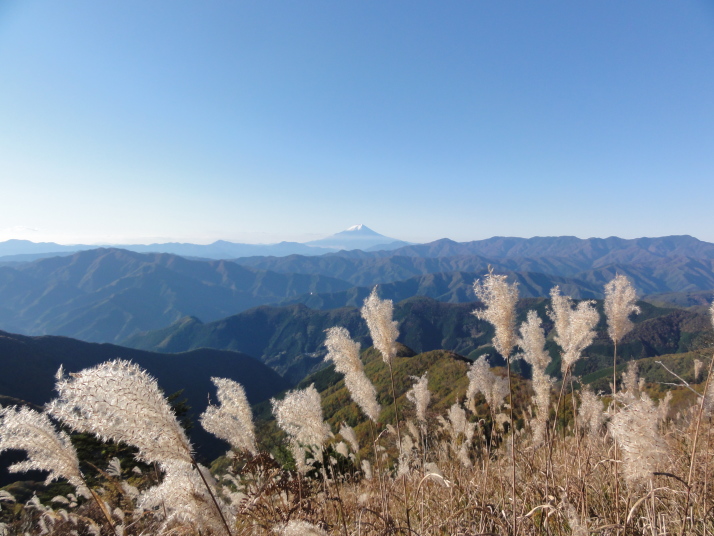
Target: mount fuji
{"type": "Point", "coordinates": [358, 237]}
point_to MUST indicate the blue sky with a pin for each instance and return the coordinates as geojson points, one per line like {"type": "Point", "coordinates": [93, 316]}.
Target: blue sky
{"type": "Point", "coordinates": [258, 121]}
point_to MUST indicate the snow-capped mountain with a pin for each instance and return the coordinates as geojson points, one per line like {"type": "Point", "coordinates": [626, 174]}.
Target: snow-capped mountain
{"type": "Point", "coordinates": [358, 237]}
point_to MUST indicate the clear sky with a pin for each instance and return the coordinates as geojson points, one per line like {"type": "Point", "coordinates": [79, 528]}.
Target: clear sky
{"type": "Point", "coordinates": [139, 121]}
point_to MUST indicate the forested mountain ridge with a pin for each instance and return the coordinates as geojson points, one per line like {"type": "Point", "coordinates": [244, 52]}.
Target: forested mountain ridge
{"type": "Point", "coordinates": [290, 339]}
{"type": "Point", "coordinates": [109, 294]}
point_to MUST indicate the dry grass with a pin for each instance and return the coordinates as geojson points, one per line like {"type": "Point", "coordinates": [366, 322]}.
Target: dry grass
{"type": "Point", "coordinates": [579, 464]}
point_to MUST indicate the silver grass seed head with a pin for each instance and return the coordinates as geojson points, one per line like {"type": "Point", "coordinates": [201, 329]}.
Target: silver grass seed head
{"type": "Point", "coordinates": [349, 435]}
{"type": "Point", "coordinates": [664, 406]}
{"type": "Point", "coordinates": [574, 326]}
{"type": "Point", "coordinates": [232, 420]}
{"type": "Point", "coordinates": [482, 380]}
{"type": "Point", "coordinates": [711, 313]}
{"type": "Point", "coordinates": [344, 352]}
{"type": "Point", "coordinates": [420, 396]}
{"type": "Point", "coordinates": [414, 431]}
{"type": "Point", "coordinates": [631, 381]}
{"type": "Point", "coordinates": [383, 330]}
{"type": "Point", "coordinates": [296, 527]}
{"type": "Point", "coordinates": [708, 400]}
{"type": "Point", "coordinates": [366, 469]}
{"type": "Point", "coordinates": [299, 414]}
{"type": "Point", "coordinates": [47, 448]}
{"type": "Point", "coordinates": [620, 297]}
{"type": "Point", "coordinates": [406, 455]}
{"type": "Point", "coordinates": [542, 386]}
{"type": "Point", "coordinates": [186, 500]}
{"type": "Point", "coordinates": [500, 299]}
{"type": "Point", "coordinates": [635, 428]}
{"type": "Point", "coordinates": [532, 341]}
{"type": "Point", "coordinates": [119, 401]}
{"type": "Point", "coordinates": [698, 366]}
{"type": "Point", "coordinates": [591, 412]}
{"type": "Point", "coordinates": [342, 449]}
{"type": "Point", "coordinates": [457, 421]}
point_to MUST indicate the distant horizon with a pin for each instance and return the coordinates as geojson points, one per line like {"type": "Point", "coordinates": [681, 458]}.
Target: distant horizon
{"type": "Point", "coordinates": [159, 241]}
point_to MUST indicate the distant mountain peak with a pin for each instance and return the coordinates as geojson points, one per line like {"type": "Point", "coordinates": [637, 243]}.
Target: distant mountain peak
{"type": "Point", "coordinates": [358, 237]}
{"type": "Point", "coordinates": [361, 230]}
{"type": "Point", "coordinates": [358, 227]}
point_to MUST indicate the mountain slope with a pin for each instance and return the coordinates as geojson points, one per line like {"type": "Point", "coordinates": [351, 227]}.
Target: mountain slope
{"type": "Point", "coordinates": [29, 364]}
{"type": "Point", "coordinates": [452, 287]}
{"type": "Point", "coordinates": [108, 294]}
{"type": "Point", "coordinates": [291, 339]}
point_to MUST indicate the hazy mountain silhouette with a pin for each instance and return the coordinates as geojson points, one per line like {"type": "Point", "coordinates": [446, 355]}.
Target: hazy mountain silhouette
{"type": "Point", "coordinates": [358, 237]}
{"type": "Point", "coordinates": [105, 295]}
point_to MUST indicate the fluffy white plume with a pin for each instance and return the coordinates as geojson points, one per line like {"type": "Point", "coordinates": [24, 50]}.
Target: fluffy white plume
{"type": "Point", "coordinates": [232, 421]}
{"type": "Point", "coordinates": [574, 327]}
{"type": "Point", "coordinates": [47, 449]}
{"type": "Point", "coordinates": [591, 412]}
{"type": "Point", "coordinates": [698, 366]}
{"type": "Point", "coordinates": [406, 455]}
{"type": "Point", "coordinates": [349, 435]}
{"type": "Point", "coordinates": [119, 401]}
{"type": "Point", "coordinates": [186, 499]}
{"type": "Point", "coordinates": [344, 352]}
{"type": "Point", "coordinates": [420, 396]}
{"type": "Point", "coordinates": [383, 330]}
{"type": "Point", "coordinates": [460, 429]}
{"type": "Point", "coordinates": [500, 299]}
{"type": "Point", "coordinates": [299, 528]}
{"type": "Point", "coordinates": [482, 380]}
{"type": "Point", "coordinates": [299, 415]}
{"type": "Point", "coordinates": [532, 341]}
{"type": "Point", "coordinates": [366, 469]}
{"type": "Point", "coordinates": [620, 300]}
{"type": "Point", "coordinates": [635, 428]}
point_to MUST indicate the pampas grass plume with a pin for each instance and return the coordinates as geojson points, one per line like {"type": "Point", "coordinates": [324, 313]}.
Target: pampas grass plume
{"type": "Point", "coordinates": [232, 421]}
{"type": "Point", "coordinates": [299, 528]}
{"type": "Point", "coordinates": [383, 330]}
{"type": "Point", "coordinates": [299, 415]}
{"type": "Point", "coordinates": [532, 341]}
{"type": "Point", "coordinates": [482, 380]}
{"type": "Point", "coordinates": [344, 353]}
{"type": "Point", "coordinates": [574, 326]}
{"type": "Point", "coordinates": [47, 449]}
{"type": "Point", "coordinates": [500, 299]}
{"type": "Point", "coordinates": [119, 401]}
{"type": "Point", "coordinates": [420, 396]}
{"type": "Point", "coordinates": [620, 299]}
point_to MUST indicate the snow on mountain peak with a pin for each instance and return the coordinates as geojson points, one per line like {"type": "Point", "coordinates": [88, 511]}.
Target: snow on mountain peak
{"type": "Point", "coordinates": [355, 227]}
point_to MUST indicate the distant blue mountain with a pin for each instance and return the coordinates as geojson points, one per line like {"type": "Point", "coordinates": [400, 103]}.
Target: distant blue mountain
{"type": "Point", "coordinates": [356, 237]}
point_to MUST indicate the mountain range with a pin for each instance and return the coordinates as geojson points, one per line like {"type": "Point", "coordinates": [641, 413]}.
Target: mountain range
{"type": "Point", "coordinates": [291, 339]}
{"type": "Point", "coordinates": [356, 237]}
{"type": "Point", "coordinates": [108, 295]}
{"type": "Point", "coordinates": [105, 295]}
